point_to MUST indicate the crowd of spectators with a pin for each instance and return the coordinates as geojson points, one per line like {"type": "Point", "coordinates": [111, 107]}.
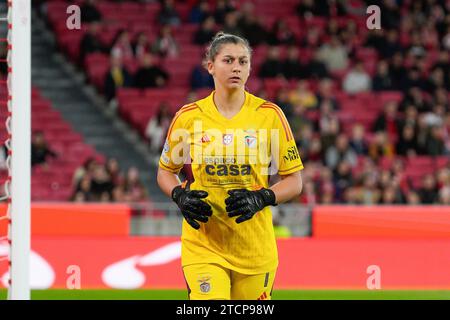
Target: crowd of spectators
{"type": "Point", "coordinates": [343, 159]}
{"type": "Point", "coordinates": [105, 182]}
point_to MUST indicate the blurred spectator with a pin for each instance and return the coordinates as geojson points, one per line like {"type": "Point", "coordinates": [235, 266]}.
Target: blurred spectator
{"type": "Point", "coordinates": [435, 142]}
{"type": "Point", "coordinates": [199, 12]}
{"type": "Point", "coordinates": [89, 12]}
{"type": "Point", "coordinates": [444, 196]}
{"type": "Point", "coordinates": [281, 34]}
{"type": "Point", "coordinates": [342, 179]}
{"type": "Point", "coordinates": [390, 18]}
{"type": "Point", "coordinates": [388, 121]}
{"type": "Point", "coordinates": [443, 63]}
{"type": "Point", "coordinates": [91, 43]}
{"type": "Point", "coordinates": [325, 94]}
{"type": "Point", "coordinates": [165, 44]}
{"type": "Point", "coordinates": [397, 71]}
{"type": "Point", "coordinates": [307, 9]}
{"type": "Point", "coordinates": [149, 75]}
{"type": "Point", "coordinates": [168, 15]}
{"type": "Point", "coordinates": [416, 98]}
{"type": "Point", "coordinates": [83, 191]}
{"type": "Point", "coordinates": [334, 55]}
{"type": "Point", "coordinates": [117, 77]}
{"type": "Point", "coordinates": [222, 8]}
{"type": "Point", "coordinates": [340, 152]}
{"type": "Point", "coordinates": [250, 25]}
{"type": "Point", "coordinates": [113, 170]}
{"type": "Point", "coordinates": [328, 125]}
{"type": "Point", "coordinates": [3, 157]}
{"type": "Point", "coordinates": [133, 186]}
{"type": "Point", "coordinates": [282, 100]}
{"type": "Point", "coordinates": [231, 24]}
{"type": "Point", "coordinates": [406, 145]}
{"type": "Point", "coordinates": [86, 169]}
{"type": "Point", "coordinates": [381, 147]}
{"type": "Point", "coordinates": [382, 80]}
{"type": "Point", "coordinates": [206, 31]}
{"type": "Point", "coordinates": [157, 127]}
{"type": "Point", "coordinates": [101, 183]}
{"type": "Point", "coordinates": [272, 66]}
{"type": "Point", "coordinates": [292, 68]}
{"type": "Point", "coordinates": [356, 80]}
{"type": "Point", "coordinates": [316, 69]}
{"type": "Point", "coordinates": [142, 46]}
{"type": "Point", "coordinates": [312, 39]}
{"type": "Point", "coordinates": [303, 95]}
{"type": "Point", "coordinates": [200, 78]}
{"type": "Point", "coordinates": [435, 80]}
{"type": "Point", "coordinates": [39, 149]}
{"type": "Point", "coordinates": [121, 47]}
{"type": "Point", "coordinates": [357, 140]}
{"type": "Point", "coordinates": [428, 193]}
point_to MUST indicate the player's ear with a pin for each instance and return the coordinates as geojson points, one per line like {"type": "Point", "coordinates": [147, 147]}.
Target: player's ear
{"type": "Point", "coordinates": [210, 67]}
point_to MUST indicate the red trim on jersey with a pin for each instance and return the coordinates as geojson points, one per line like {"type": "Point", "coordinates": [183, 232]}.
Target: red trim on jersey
{"type": "Point", "coordinates": [189, 107]}
{"type": "Point", "coordinates": [287, 129]}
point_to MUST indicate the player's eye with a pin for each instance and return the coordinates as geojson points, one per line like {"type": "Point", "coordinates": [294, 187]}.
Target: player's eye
{"type": "Point", "coordinates": [243, 62]}
{"type": "Point", "coordinates": [227, 60]}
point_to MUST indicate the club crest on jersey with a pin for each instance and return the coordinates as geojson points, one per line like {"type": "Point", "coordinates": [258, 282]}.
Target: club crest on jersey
{"type": "Point", "coordinates": [250, 141]}
{"type": "Point", "coordinates": [205, 286]}
{"type": "Point", "coordinates": [227, 138]}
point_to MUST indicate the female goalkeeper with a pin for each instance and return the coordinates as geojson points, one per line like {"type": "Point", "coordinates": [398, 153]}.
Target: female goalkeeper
{"type": "Point", "coordinates": [234, 141]}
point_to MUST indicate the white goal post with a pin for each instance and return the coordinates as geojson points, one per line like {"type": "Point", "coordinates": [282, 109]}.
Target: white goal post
{"type": "Point", "coordinates": [19, 105]}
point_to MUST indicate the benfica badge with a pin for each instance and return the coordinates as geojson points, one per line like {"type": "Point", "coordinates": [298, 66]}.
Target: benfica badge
{"type": "Point", "coordinates": [205, 285]}
{"type": "Point", "coordinates": [227, 138]}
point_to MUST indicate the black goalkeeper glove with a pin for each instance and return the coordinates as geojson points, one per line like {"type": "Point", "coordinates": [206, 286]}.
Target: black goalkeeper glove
{"type": "Point", "coordinates": [192, 208]}
{"type": "Point", "coordinates": [246, 203]}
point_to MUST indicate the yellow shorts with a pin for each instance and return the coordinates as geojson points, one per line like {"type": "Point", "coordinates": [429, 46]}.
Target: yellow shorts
{"type": "Point", "coordinates": [214, 282]}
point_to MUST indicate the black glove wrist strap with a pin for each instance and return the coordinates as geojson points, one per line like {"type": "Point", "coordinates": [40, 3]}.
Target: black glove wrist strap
{"type": "Point", "coordinates": [268, 196]}
{"type": "Point", "coordinates": [176, 192]}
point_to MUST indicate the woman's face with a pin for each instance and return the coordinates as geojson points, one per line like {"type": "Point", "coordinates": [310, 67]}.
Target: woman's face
{"type": "Point", "coordinates": [231, 67]}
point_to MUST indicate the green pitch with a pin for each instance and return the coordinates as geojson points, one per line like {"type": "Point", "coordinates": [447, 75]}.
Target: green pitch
{"type": "Point", "coordinates": [277, 295]}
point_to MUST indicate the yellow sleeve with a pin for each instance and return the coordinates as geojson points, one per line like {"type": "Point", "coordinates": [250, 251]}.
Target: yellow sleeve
{"type": "Point", "coordinates": [176, 146]}
{"type": "Point", "coordinates": [284, 149]}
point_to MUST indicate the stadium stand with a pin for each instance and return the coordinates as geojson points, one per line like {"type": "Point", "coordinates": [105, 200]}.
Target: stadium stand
{"type": "Point", "coordinates": [408, 59]}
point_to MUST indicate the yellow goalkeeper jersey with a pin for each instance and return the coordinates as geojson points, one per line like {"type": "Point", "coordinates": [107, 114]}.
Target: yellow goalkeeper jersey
{"type": "Point", "coordinates": [226, 154]}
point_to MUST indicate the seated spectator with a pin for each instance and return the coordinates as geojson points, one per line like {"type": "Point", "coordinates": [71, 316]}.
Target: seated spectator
{"type": "Point", "coordinates": [91, 43]}
{"type": "Point", "coordinates": [312, 39]}
{"type": "Point", "coordinates": [381, 147]}
{"type": "Point", "coordinates": [334, 55]}
{"type": "Point", "coordinates": [416, 98]}
{"type": "Point", "coordinates": [165, 44]}
{"type": "Point", "coordinates": [206, 31]}
{"type": "Point", "coordinates": [141, 46]}
{"type": "Point", "coordinates": [250, 25]}
{"type": "Point", "coordinates": [121, 47]}
{"type": "Point", "coordinates": [435, 141]}
{"type": "Point", "coordinates": [428, 192]}
{"type": "Point", "coordinates": [434, 81]}
{"type": "Point", "coordinates": [168, 15]}
{"type": "Point", "coordinates": [281, 34]}
{"type": "Point", "coordinates": [86, 169]}
{"type": "Point", "coordinates": [388, 120]}
{"type": "Point", "coordinates": [328, 125]}
{"type": "Point", "coordinates": [307, 9]}
{"type": "Point", "coordinates": [222, 8]}
{"type": "Point", "coordinates": [100, 182]}
{"type": "Point", "coordinates": [397, 71]}
{"type": "Point", "coordinates": [271, 67]}
{"type": "Point", "coordinates": [292, 68]}
{"type": "Point", "coordinates": [157, 128]}
{"type": "Point", "coordinates": [282, 100]}
{"type": "Point", "coordinates": [83, 192]}
{"type": "Point", "coordinates": [382, 80]}
{"type": "Point", "coordinates": [406, 144]}
{"type": "Point", "coordinates": [200, 78]}
{"type": "Point", "coordinates": [340, 152]}
{"type": "Point", "coordinates": [199, 12]}
{"type": "Point", "coordinates": [117, 77]}
{"type": "Point", "coordinates": [342, 179]}
{"type": "Point", "coordinates": [444, 196]}
{"type": "Point", "coordinates": [357, 140]}
{"type": "Point", "coordinates": [89, 12]}
{"type": "Point", "coordinates": [357, 80]}
{"type": "Point", "coordinates": [133, 187]}
{"type": "Point", "coordinates": [325, 94]}
{"type": "Point", "coordinates": [113, 169]}
{"type": "Point", "coordinates": [231, 24]}
{"type": "Point", "coordinates": [443, 63]}
{"type": "Point", "coordinates": [391, 45]}
{"type": "Point", "coordinates": [40, 150]}
{"type": "Point", "coordinates": [316, 69]}
{"type": "Point", "coordinates": [150, 75]}
{"type": "Point", "coordinates": [303, 95]}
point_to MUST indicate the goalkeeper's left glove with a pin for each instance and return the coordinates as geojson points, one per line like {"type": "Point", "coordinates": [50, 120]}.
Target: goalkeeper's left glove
{"type": "Point", "coordinates": [246, 203]}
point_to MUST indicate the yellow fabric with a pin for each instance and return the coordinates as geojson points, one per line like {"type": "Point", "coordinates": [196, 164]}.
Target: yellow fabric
{"type": "Point", "coordinates": [214, 282]}
{"type": "Point", "coordinates": [117, 76]}
{"type": "Point", "coordinates": [228, 154]}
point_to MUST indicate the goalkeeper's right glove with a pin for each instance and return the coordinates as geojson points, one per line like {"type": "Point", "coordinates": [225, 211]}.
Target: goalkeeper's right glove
{"type": "Point", "coordinates": [192, 208]}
